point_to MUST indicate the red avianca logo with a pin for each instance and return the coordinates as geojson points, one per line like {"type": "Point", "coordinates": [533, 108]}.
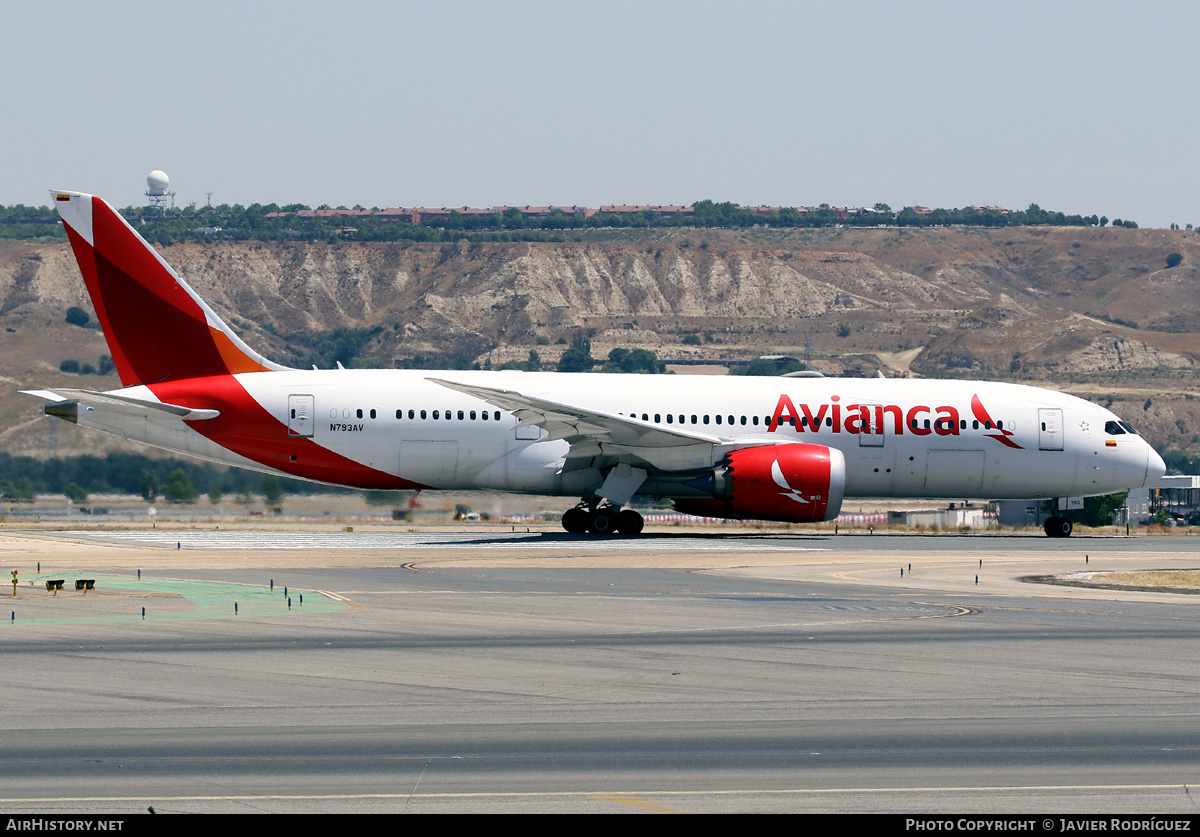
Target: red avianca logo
{"type": "Point", "coordinates": [920, 420]}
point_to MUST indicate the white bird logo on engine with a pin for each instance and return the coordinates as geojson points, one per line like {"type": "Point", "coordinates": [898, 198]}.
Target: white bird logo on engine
{"type": "Point", "coordinates": [781, 481]}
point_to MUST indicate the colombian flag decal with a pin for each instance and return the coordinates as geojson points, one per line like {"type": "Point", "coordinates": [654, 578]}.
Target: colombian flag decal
{"type": "Point", "coordinates": [1109, 443]}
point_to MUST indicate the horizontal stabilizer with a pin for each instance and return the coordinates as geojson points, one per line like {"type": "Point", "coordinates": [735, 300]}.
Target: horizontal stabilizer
{"type": "Point", "coordinates": [122, 403]}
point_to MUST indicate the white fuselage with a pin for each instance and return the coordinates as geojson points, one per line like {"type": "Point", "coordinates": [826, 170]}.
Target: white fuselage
{"type": "Point", "coordinates": [899, 437]}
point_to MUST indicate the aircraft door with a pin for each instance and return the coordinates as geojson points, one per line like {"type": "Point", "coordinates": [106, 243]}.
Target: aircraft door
{"type": "Point", "coordinates": [871, 434]}
{"type": "Point", "coordinates": [300, 415]}
{"type": "Point", "coordinates": [1050, 432]}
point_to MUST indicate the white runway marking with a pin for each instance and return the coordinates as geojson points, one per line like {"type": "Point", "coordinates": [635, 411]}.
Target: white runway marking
{"type": "Point", "coordinates": [191, 539]}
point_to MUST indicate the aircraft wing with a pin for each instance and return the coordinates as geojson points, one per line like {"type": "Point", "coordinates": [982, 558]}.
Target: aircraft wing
{"type": "Point", "coordinates": [121, 403]}
{"type": "Point", "coordinates": [598, 439]}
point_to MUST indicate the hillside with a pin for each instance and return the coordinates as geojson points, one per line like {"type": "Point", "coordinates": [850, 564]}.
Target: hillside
{"type": "Point", "coordinates": [1092, 310]}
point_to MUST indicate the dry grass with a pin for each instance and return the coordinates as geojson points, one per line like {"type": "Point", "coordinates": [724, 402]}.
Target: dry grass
{"type": "Point", "coordinates": [1152, 578]}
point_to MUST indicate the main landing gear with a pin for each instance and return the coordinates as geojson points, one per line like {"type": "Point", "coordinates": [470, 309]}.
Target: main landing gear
{"type": "Point", "coordinates": [1058, 527]}
{"type": "Point", "coordinates": [598, 519]}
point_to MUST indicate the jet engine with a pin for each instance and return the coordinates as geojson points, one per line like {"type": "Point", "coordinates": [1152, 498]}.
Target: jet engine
{"type": "Point", "coordinates": [795, 483]}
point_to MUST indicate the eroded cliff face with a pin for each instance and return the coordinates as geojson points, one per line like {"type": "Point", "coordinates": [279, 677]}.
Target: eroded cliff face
{"type": "Point", "coordinates": [1091, 308]}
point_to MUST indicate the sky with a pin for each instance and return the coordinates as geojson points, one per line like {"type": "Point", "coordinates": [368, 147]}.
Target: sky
{"type": "Point", "coordinates": [1081, 107]}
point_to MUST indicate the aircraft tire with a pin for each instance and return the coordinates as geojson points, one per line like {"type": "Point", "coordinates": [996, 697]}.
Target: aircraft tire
{"type": "Point", "coordinates": [1058, 527]}
{"type": "Point", "coordinates": [602, 522]}
{"type": "Point", "coordinates": [630, 522]}
{"type": "Point", "coordinates": [575, 521]}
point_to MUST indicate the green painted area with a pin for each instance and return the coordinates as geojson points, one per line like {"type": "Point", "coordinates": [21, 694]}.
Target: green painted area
{"type": "Point", "coordinates": [119, 598]}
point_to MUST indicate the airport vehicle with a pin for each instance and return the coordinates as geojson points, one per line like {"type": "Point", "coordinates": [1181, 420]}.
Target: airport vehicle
{"type": "Point", "coordinates": [785, 449]}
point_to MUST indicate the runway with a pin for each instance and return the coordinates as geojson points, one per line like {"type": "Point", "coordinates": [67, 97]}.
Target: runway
{"type": "Point", "coordinates": [473, 672]}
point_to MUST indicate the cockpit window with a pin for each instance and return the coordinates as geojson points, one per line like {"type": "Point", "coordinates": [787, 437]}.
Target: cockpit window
{"type": "Point", "coordinates": [1129, 429]}
{"type": "Point", "coordinates": [1113, 428]}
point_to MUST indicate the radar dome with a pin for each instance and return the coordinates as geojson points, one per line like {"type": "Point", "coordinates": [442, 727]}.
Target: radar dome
{"type": "Point", "coordinates": [158, 181]}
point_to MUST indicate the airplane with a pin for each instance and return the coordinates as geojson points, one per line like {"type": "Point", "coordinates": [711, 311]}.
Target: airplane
{"type": "Point", "coordinates": [781, 449]}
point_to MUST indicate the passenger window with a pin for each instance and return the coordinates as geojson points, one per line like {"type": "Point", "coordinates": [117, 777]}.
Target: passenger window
{"type": "Point", "coordinates": [497, 416]}
{"type": "Point", "coordinates": [670, 418]}
{"type": "Point", "coordinates": [372, 414]}
{"type": "Point", "coordinates": [460, 415]}
{"type": "Point", "coordinates": [410, 414]}
{"type": "Point", "coordinates": [423, 414]}
{"type": "Point", "coordinates": [485, 415]}
{"type": "Point", "coordinates": [358, 413]}
{"type": "Point", "coordinates": [472, 415]}
{"type": "Point", "coordinates": [399, 414]}
{"type": "Point", "coordinates": [436, 415]}
{"type": "Point", "coordinates": [718, 419]}
{"type": "Point", "coordinates": [706, 419]}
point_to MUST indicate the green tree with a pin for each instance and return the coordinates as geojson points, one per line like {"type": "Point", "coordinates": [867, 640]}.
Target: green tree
{"type": "Point", "coordinates": [77, 316]}
{"type": "Point", "coordinates": [179, 488]}
{"type": "Point", "coordinates": [641, 361]}
{"type": "Point", "coordinates": [74, 493]}
{"type": "Point", "coordinates": [1098, 511]}
{"type": "Point", "coordinates": [272, 490]}
{"type": "Point", "coordinates": [765, 367]}
{"type": "Point", "coordinates": [1174, 259]}
{"type": "Point", "coordinates": [577, 357]}
{"type": "Point", "coordinates": [21, 492]}
{"type": "Point", "coordinates": [149, 485]}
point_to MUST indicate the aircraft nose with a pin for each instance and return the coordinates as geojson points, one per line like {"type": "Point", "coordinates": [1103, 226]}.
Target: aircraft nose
{"type": "Point", "coordinates": [1155, 467]}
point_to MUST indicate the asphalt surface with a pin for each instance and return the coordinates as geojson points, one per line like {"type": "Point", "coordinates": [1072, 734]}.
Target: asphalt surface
{"type": "Point", "coordinates": [493, 671]}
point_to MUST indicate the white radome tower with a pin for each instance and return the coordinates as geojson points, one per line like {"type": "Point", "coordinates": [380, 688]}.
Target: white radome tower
{"type": "Point", "coordinates": [156, 189]}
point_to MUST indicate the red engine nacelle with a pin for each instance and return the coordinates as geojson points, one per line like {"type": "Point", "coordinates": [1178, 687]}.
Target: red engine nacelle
{"type": "Point", "coordinates": [795, 483]}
